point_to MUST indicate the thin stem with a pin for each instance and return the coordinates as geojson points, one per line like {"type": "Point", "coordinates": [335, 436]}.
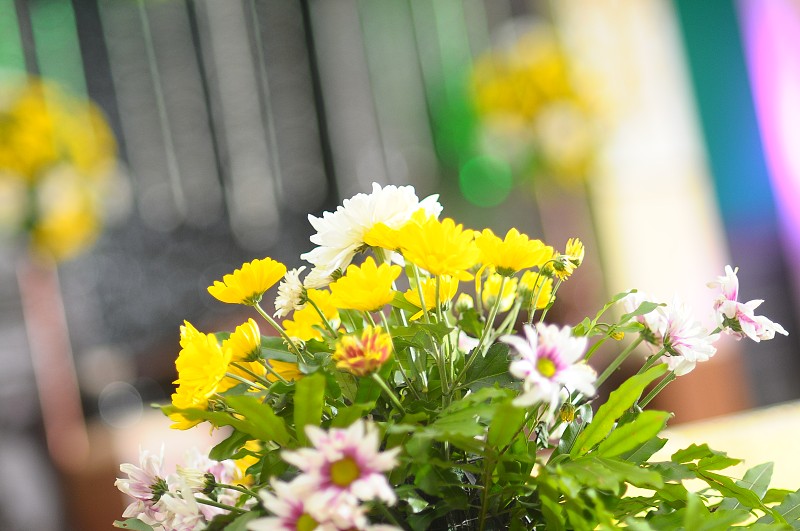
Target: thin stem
{"type": "Point", "coordinates": [652, 360]}
{"type": "Point", "coordinates": [657, 389]}
{"type": "Point", "coordinates": [260, 379]}
{"type": "Point", "coordinates": [368, 315]}
{"type": "Point", "coordinates": [212, 503]}
{"type": "Point", "coordinates": [389, 392]}
{"type": "Point", "coordinates": [280, 330]}
{"type": "Point", "coordinates": [535, 296]}
{"type": "Point", "coordinates": [617, 362]}
{"type": "Point", "coordinates": [552, 295]}
{"type": "Point", "coordinates": [238, 488]}
{"type": "Point", "coordinates": [399, 364]}
{"type": "Point", "coordinates": [489, 321]}
{"type": "Point", "coordinates": [324, 318]}
{"type": "Point", "coordinates": [487, 479]}
{"type": "Point", "coordinates": [273, 372]}
{"type": "Point", "coordinates": [244, 380]}
{"type": "Point", "coordinates": [421, 294]}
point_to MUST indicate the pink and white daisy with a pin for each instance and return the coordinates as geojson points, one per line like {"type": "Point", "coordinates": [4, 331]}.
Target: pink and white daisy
{"type": "Point", "coordinates": [687, 342]}
{"type": "Point", "coordinates": [737, 318]}
{"type": "Point", "coordinates": [146, 484]}
{"type": "Point", "coordinates": [201, 474]}
{"type": "Point", "coordinates": [347, 462]}
{"type": "Point", "coordinates": [549, 359]}
{"type": "Point", "coordinates": [653, 322]}
{"type": "Point", "coordinates": [300, 505]}
{"type": "Point", "coordinates": [340, 234]}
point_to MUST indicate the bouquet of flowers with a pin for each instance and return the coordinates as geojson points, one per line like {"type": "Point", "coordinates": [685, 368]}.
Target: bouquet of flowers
{"type": "Point", "coordinates": [391, 401]}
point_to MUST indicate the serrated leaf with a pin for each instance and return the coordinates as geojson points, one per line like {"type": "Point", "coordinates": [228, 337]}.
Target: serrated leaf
{"type": "Point", "coordinates": [226, 448]}
{"type": "Point", "coordinates": [489, 369]}
{"type": "Point", "coordinates": [618, 402]}
{"type": "Point", "coordinates": [756, 479]}
{"type": "Point", "coordinates": [627, 437]}
{"type": "Point", "coordinates": [268, 426]}
{"type": "Point", "coordinates": [789, 510]}
{"type": "Point", "coordinates": [132, 523]}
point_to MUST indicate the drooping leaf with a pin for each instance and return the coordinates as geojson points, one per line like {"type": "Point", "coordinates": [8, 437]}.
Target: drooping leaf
{"type": "Point", "coordinates": [309, 398]}
{"type": "Point", "coordinates": [618, 402]}
{"type": "Point", "coordinates": [627, 437]}
{"type": "Point", "coordinates": [756, 479]}
{"type": "Point", "coordinates": [229, 446]}
{"type": "Point", "coordinates": [789, 510]}
{"type": "Point", "coordinates": [645, 451]}
{"type": "Point", "coordinates": [268, 426]}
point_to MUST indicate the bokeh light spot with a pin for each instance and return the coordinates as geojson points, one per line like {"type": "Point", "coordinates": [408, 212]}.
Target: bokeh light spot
{"type": "Point", "coordinates": [485, 181]}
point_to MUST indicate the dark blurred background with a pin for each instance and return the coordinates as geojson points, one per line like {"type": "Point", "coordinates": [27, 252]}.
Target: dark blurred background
{"type": "Point", "coordinates": [664, 134]}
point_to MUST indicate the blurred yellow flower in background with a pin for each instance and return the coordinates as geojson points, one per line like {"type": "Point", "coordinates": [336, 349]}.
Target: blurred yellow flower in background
{"type": "Point", "coordinates": [491, 291]}
{"type": "Point", "coordinates": [534, 284]}
{"type": "Point", "coordinates": [57, 163]}
{"type": "Point", "coordinates": [447, 290]}
{"type": "Point", "coordinates": [307, 322]}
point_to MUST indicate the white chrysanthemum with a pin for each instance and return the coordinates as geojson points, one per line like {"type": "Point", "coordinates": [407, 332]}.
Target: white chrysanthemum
{"type": "Point", "coordinates": [739, 318]}
{"type": "Point", "coordinates": [291, 293]}
{"type": "Point", "coordinates": [548, 359]}
{"type": "Point", "coordinates": [146, 484]}
{"type": "Point", "coordinates": [653, 322]}
{"type": "Point", "coordinates": [340, 234]}
{"type": "Point", "coordinates": [347, 461]}
{"type": "Point", "coordinates": [182, 510]}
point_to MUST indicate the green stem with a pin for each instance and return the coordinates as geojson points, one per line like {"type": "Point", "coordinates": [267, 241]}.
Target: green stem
{"type": "Point", "coordinates": [421, 294]}
{"type": "Point", "coordinates": [389, 392]}
{"type": "Point", "coordinates": [487, 479]}
{"type": "Point", "coordinates": [535, 296]}
{"type": "Point", "coordinates": [260, 379]}
{"type": "Point", "coordinates": [552, 295]}
{"type": "Point", "coordinates": [652, 360]}
{"type": "Point", "coordinates": [368, 315]}
{"type": "Point", "coordinates": [325, 321]}
{"type": "Point", "coordinates": [657, 389]}
{"type": "Point", "coordinates": [243, 380]}
{"type": "Point", "coordinates": [617, 362]}
{"type": "Point", "coordinates": [237, 488]}
{"type": "Point", "coordinates": [273, 372]}
{"type": "Point", "coordinates": [212, 503]}
{"type": "Point", "coordinates": [399, 364]}
{"type": "Point", "coordinates": [477, 351]}
{"type": "Point", "coordinates": [280, 330]}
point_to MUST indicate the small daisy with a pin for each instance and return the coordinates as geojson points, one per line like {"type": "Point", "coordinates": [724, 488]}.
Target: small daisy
{"type": "Point", "coordinates": [737, 318]}
{"type": "Point", "coordinates": [653, 322]}
{"type": "Point", "coordinates": [549, 360]}
{"type": "Point", "coordinates": [291, 293]}
{"type": "Point", "coordinates": [347, 461]}
{"type": "Point", "coordinates": [686, 341]}
{"type": "Point", "coordinates": [146, 484]}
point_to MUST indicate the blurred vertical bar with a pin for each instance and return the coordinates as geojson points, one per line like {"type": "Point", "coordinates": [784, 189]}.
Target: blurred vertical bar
{"type": "Point", "coordinates": [356, 147]}
{"type": "Point", "coordinates": [280, 42]}
{"type": "Point", "coordinates": [746, 198]}
{"type": "Point", "coordinates": [399, 94]}
{"type": "Point", "coordinates": [12, 57]}
{"type": "Point", "coordinates": [57, 49]}
{"type": "Point", "coordinates": [250, 182]}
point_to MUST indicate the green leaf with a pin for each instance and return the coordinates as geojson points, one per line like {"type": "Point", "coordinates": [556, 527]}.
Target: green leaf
{"type": "Point", "coordinates": [627, 437]}
{"type": "Point", "coordinates": [633, 474]}
{"type": "Point", "coordinates": [644, 451]}
{"type": "Point", "coordinates": [728, 488]}
{"type": "Point", "coordinates": [776, 496]}
{"type": "Point", "coordinates": [693, 452]}
{"type": "Point", "coordinates": [309, 398]}
{"type": "Point", "coordinates": [789, 509]}
{"type": "Point", "coordinates": [583, 416]}
{"type": "Point", "coordinates": [756, 479]}
{"type": "Point", "coordinates": [399, 301]}
{"type": "Point", "coordinates": [267, 425]}
{"type": "Point", "coordinates": [273, 348]}
{"type": "Point", "coordinates": [489, 369]}
{"type": "Point", "coordinates": [643, 309]}
{"type": "Point", "coordinates": [695, 513]}
{"type": "Point", "coordinates": [132, 523]}
{"type": "Point", "coordinates": [348, 415]}
{"type": "Point", "coordinates": [225, 449]}
{"type": "Point", "coordinates": [505, 424]}
{"type": "Point", "coordinates": [231, 522]}
{"type": "Point", "coordinates": [470, 323]}
{"type": "Point", "coordinates": [618, 402]}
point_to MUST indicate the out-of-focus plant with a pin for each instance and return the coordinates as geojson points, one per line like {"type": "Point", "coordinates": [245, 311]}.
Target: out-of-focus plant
{"type": "Point", "coordinates": [57, 165]}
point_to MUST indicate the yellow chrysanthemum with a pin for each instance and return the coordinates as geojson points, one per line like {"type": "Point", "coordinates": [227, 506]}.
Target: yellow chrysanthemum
{"type": "Point", "coordinates": [307, 322]}
{"type": "Point", "coordinates": [439, 247]}
{"type": "Point", "coordinates": [363, 355]}
{"type": "Point", "coordinates": [243, 463]}
{"type": "Point", "coordinates": [365, 288]}
{"type": "Point", "coordinates": [381, 235]}
{"type": "Point", "coordinates": [447, 290]}
{"type": "Point", "coordinates": [491, 291]}
{"type": "Point", "coordinates": [532, 283]}
{"type": "Point", "coordinates": [202, 364]}
{"type": "Point", "coordinates": [248, 284]}
{"type": "Point", "coordinates": [245, 350]}
{"type": "Point", "coordinates": [565, 264]}
{"type": "Point", "coordinates": [513, 253]}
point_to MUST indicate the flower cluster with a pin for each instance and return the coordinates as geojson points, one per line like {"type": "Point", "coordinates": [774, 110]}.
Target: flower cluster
{"type": "Point", "coordinates": [379, 402]}
{"type": "Point", "coordinates": [57, 157]}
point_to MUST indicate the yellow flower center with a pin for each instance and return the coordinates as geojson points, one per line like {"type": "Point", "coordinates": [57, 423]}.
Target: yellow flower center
{"type": "Point", "coordinates": [306, 523]}
{"type": "Point", "coordinates": [546, 367]}
{"type": "Point", "coordinates": [344, 472]}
